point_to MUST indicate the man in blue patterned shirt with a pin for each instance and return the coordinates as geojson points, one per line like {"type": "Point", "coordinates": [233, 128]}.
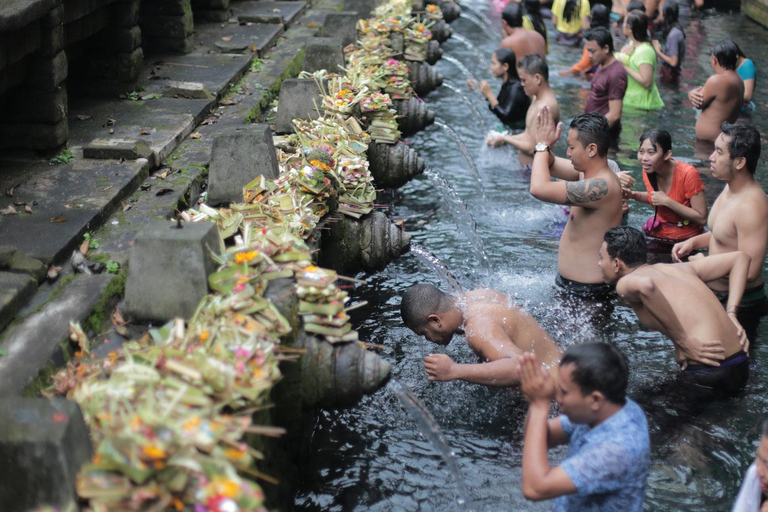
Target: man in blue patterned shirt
{"type": "Point", "coordinates": [606, 468]}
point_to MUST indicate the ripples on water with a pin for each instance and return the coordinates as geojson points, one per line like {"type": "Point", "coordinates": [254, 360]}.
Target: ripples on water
{"type": "Point", "coordinates": [374, 458]}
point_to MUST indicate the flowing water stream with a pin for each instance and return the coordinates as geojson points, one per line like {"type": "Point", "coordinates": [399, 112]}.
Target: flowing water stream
{"type": "Point", "coordinates": [374, 458]}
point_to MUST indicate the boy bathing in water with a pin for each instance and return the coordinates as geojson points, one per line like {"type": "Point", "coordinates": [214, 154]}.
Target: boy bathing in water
{"type": "Point", "coordinates": [534, 77]}
{"type": "Point", "coordinates": [710, 345]}
{"type": "Point", "coordinates": [495, 328]}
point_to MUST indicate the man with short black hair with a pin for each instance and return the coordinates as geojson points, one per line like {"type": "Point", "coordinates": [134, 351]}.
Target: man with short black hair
{"type": "Point", "coordinates": [518, 39]}
{"type": "Point", "coordinates": [610, 81]}
{"type": "Point", "coordinates": [496, 329]}
{"type": "Point", "coordinates": [709, 342]}
{"type": "Point", "coordinates": [737, 219]}
{"type": "Point", "coordinates": [753, 494]}
{"type": "Point", "coordinates": [608, 459]}
{"type": "Point", "coordinates": [588, 186]}
{"type": "Point", "coordinates": [720, 98]}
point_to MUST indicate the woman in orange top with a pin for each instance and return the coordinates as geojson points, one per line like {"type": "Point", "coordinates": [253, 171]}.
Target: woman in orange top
{"type": "Point", "coordinates": [675, 191]}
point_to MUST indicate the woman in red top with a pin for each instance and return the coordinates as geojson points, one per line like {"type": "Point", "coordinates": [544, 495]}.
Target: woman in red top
{"type": "Point", "coordinates": [675, 191]}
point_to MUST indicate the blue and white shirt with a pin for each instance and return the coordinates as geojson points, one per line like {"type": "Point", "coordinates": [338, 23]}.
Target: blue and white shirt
{"type": "Point", "coordinates": [608, 464]}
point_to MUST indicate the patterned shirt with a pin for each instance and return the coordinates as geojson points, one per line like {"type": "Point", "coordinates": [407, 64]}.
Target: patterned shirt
{"type": "Point", "coordinates": [608, 464]}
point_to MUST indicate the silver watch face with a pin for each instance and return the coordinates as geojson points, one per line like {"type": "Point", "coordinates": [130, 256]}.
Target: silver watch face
{"type": "Point", "coordinates": [541, 146]}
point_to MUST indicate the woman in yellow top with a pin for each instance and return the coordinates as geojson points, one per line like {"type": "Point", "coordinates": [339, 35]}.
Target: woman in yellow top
{"type": "Point", "coordinates": [639, 59]}
{"type": "Point", "coordinates": [570, 17]}
{"type": "Point", "coordinates": [532, 19]}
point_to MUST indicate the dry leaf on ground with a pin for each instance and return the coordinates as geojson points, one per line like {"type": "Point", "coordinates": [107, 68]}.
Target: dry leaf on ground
{"type": "Point", "coordinates": [9, 211]}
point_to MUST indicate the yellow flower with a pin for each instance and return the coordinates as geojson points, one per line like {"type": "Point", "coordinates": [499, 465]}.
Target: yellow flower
{"type": "Point", "coordinates": [191, 424]}
{"type": "Point", "coordinates": [233, 454]}
{"type": "Point", "coordinates": [204, 336]}
{"type": "Point", "coordinates": [135, 423]}
{"type": "Point", "coordinates": [225, 487]}
{"type": "Point", "coordinates": [153, 452]}
{"type": "Point", "coordinates": [245, 256]}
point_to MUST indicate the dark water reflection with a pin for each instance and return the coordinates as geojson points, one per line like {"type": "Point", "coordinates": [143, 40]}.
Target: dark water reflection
{"type": "Point", "coordinates": [374, 458]}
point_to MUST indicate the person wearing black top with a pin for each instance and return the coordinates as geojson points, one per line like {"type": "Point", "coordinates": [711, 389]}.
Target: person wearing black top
{"type": "Point", "coordinates": [511, 105]}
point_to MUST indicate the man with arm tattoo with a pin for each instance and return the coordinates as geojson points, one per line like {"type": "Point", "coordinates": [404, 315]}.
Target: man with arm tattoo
{"type": "Point", "coordinates": [588, 186]}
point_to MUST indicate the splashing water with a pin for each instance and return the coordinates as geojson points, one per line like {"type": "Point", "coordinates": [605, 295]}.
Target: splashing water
{"type": "Point", "coordinates": [456, 62]}
{"type": "Point", "coordinates": [460, 213]}
{"type": "Point", "coordinates": [464, 151]}
{"type": "Point", "coordinates": [450, 85]}
{"type": "Point", "coordinates": [488, 30]}
{"type": "Point", "coordinates": [480, 14]}
{"type": "Point", "coordinates": [438, 267]}
{"type": "Point", "coordinates": [431, 431]}
{"type": "Point", "coordinates": [470, 46]}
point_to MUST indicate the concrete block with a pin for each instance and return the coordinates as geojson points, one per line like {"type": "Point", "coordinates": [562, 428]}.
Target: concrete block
{"type": "Point", "coordinates": [362, 7]}
{"type": "Point", "coordinates": [54, 17]}
{"type": "Point", "coordinates": [15, 291]}
{"type": "Point", "coordinates": [149, 8]}
{"type": "Point", "coordinates": [168, 270]}
{"type": "Point", "coordinates": [37, 137]}
{"type": "Point", "coordinates": [43, 444]}
{"type": "Point", "coordinates": [115, 149]}
{"type": "Point", "coordinates": [210, 4]}
{"type": "Point", "coordinates": [121, 67]}
{"type": "Point", "coordinates": [38, 106]}
{"type": "Point", "coordinates": [211, 15]}
{"type": "Point", "coordinates": [22, 264]}
{"type": "Point", "coordinates": [168, 44]}
{"type": "Point", "coordinates": [6, 255]}
{"type": "Point", "coordinates": [124, 14]}
{"type": "Point", "coordinates": [238, 157]}
{"type": "Point", "coordinates": [194, 90]}
{"type": "Point", "coordinates": [15, 14]}
{"type": "Point", "coordinates": [297, 100]}
{"type": "Point", "coordinates": [48, 73]}
{"type": "Point", "coordinates": [51, 41]}
{"type": "Point", "coordinates": [342, 25]}
{"type": "Point", "coordinates": [174, 27]}
{"type": "Point", "coordinates": [118, 39]}
{"type": "Point", "coordinates": [323, 53]}
{"type": "Point", "coordinates": [76, 9]}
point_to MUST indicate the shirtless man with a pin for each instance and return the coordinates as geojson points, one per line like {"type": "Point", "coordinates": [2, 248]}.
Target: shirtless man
{"type": "Point", "coordinates": [534, 77]}
{"type": "Point", "coordinates": [518, 39]}
{"type": "Point", "coordinates": [589, 187]}
{"type": "Point", "coordinates": [737, 220]}
{"type": "Point", "coordinates": [720, 98]}
{"type": "Point", "coordinates": [710, 344]}
{"type": "Point", "coordinates": [495, 327]}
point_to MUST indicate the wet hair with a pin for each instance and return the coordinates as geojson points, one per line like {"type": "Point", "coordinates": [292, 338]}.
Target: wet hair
{"type": "Point", "coordinates": [637, 22]}
{"type": "Point", "coordinates": [671, 18]}
{"type": "Point", "coordinates": [533, 9]}
{"type": "Point", "coordinates": [599, 367]}
{"type": "Point", "coordinates": [421, 301]}
{"type": "Point", "coordinates": [745, 142]}
{"type": "Point", "coordinates": [661, 139]}
{"type": "Point", "coordinates": [600, 16]}
{"type": "Point", "coordinates": [739, 53]}
{"type": "Point", "coordinates": [602, 36]}
{"type": "Point", "coordinates": [507, 56]}
{"type": "Point", "coordinates": [627, 244]}
{"type": "Point", "coordinates": [572, 7]}
{"type": "Point", "coordinates": [534, 64]}
{"type": "Point", "coordinates": [592, 127]}
{"type": "Point", "coordinates": [727, 54]}
{"type": "Point", "coordinates": [636, 5]}
{"type": "Point", "coordinates": [513, 15]}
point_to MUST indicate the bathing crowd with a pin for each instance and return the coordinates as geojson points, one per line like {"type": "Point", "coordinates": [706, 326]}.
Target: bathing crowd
{"type": "Point", "coordinates": [701, 288]}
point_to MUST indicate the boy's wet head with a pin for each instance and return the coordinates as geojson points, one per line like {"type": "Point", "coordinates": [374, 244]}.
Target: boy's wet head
{"type": "Point", "coordinates": [420, 303]}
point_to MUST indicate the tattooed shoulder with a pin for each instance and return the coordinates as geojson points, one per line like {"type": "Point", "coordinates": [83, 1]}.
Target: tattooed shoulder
{"type": "Point", "coordinates": [585, 191]}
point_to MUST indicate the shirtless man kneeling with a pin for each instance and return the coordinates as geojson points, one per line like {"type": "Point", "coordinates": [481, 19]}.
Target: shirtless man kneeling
{"type": "Point", "coordinates": [720, 98]}
{"type": "Point", "coordinates": [710, 344]}
{"type": "Point", "coordinates": [589, 187]}
{"type": "Point", "coordinates": [495, 327]}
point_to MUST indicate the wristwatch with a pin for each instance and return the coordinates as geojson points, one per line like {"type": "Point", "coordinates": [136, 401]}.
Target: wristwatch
{"type": "Point", "coordinates": [541, 146]}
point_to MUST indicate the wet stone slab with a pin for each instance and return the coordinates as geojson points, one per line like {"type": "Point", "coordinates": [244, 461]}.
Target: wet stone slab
{"type": "Point", "coordinates": [15, 291]}
{"type": "Point", "coordinates": [161, 123]}
{"type": "Point", "coordinates": [269, 12]}
{"type": "Point", "coordinates": [66, 201]}
{"type": "Point", "coordinates": [216, 72]}
{"type": "Point", "coordinates": [246, 38]}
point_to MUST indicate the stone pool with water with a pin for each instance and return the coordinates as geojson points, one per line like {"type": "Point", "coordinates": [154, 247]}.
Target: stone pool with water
{"type": "Point", "coordinates": [375, 458]}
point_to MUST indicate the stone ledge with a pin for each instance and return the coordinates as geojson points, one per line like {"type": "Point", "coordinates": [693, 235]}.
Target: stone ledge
{"type": "Point", "coordinates": [15, 291]}
{"type": "Point", "coordinates": [14, 14]}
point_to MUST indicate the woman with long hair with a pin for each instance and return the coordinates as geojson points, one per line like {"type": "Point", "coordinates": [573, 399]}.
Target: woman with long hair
{"type": "Point", "coordinates": [675, 191]}
{"type": "Point", "coordinates": [639, 59]}
{"type": "Point", "coordinates": [746, 70]}
{"type": "Point", "coordinates": [570, 17]}
{"type": "Point", "coordinates": [511, 104]}
{"type": "Point", "coordinates": [532, 19]}
{"type": "Point", "coordinates": [673, 51]}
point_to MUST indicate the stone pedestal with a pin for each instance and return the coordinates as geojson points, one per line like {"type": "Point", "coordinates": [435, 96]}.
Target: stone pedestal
{"type": "Point", "coordinates": [168, 270]}
{"type": "Point", "coordinates": [297, 100]}
{"type": "Point", "coordinates": [211, 10]}
{"type": "Point", "coordinates": [342, 25]}
{"type": "Point", "coordinates": [238, 157]}
{"type": "Point", "coordinates": [43, 444]}
{"type": "Point", "coordinates": [167, 25]}
{"type": "Point", "coordinates": [323, 53]}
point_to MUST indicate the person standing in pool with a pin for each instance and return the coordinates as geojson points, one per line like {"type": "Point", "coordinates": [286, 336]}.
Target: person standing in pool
{"type": "Point", "coordinates": [608, 460]}
{"type": "Point", "coordinates": [737, 220]}
{"type": "Point", "coordinates": [511, 105]}
{"type": "Point", "coordinates": [518, 39]}
{"type": "Point", "coordinates": [588, 186]}
{"type": "Point", "coordinates": [496, 329]}
{"type": "Point", "coordinates": [710, 344]}
{"type": "Point", "coordinates": [673, 52]}
{"type": "Point", "coordinates": [675, 191]}
{"type": "Point", "coordinates": [720, 99]}
{"type": "Point", "coordinates": [609, 84]}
